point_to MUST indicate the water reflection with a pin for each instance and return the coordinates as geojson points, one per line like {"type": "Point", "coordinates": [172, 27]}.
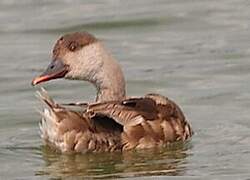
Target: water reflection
{"type": "Point", "coordinates": [169, 161]}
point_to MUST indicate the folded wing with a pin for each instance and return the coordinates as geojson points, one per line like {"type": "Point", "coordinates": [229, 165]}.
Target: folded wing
{"type": "Point", "coordinates": [147, 122]}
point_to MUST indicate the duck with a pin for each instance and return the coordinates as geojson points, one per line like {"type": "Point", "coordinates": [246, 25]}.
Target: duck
{"type": "Point", "coordinates": [114, 121]}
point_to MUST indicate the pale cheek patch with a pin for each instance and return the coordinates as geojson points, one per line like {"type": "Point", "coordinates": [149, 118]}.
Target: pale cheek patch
{"type": "Point", "coordinates": [84, 64]}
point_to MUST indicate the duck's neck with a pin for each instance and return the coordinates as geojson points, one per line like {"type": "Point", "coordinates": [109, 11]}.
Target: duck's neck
{"type": "Point", "coordinates": [109, 93]}
{"type": "Point", "coordinates": [109, 80]}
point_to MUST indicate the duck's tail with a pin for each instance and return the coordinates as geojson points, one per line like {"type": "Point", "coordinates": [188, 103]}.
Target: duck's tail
{"type": "Point", "coordinates": [45, 98]}
{"type": "Point", "coordinates": [63, 129]}
{"type": "Point", "coordinates": [49, 124]}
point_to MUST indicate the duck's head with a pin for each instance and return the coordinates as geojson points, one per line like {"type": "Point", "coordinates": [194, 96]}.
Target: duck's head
{"type": "Point", "coordinates": [71, 58]}
{"type": "Point", "coordinates": [81, 56]}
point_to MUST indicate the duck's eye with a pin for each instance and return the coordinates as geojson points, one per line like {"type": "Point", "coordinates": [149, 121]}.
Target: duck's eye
{"type": "Point", "coordinates": [52, 66]}
{"type": "Point", "coordinates": [72, 46]}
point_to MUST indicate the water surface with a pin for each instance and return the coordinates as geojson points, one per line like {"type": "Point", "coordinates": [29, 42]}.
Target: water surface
{"type": "Point", "coordinates": [195, 52]}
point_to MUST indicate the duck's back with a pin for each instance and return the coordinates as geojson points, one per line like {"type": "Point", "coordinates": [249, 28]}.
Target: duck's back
{"type": "Point", "coordinates": [132, 123]}
{"type": "Point", "coordinates": [150, 121]}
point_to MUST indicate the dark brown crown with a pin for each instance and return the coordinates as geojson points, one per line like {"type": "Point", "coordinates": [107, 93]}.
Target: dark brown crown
{"type": "Point", "coordinates": [72, 42]}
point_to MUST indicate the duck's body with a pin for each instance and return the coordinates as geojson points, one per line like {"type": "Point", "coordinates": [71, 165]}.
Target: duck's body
{"type": "Point", "coordinates": [114, 122]}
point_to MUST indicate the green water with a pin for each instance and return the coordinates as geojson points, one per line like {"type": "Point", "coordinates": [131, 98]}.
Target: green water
{"type": "Point", "coordinates": [195, 52]}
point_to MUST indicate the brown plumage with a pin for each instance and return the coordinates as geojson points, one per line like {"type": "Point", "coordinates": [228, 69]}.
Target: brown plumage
{"type": "Point", "coordinates": [133, 123]}
{"type": "Point", "coordinates": [72, 42]}
{"type": "Point", "coordinates": [147, 122]}
{"type": "Point", "coordinates": [114, 122]}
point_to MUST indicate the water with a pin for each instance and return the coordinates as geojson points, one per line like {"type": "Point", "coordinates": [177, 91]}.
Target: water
{"type": "Point", "coordinates": [195, 52]}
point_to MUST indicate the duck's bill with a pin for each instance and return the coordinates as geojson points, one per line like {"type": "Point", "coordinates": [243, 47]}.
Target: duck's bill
{"type": "Point", "coordinates": [54, 71]}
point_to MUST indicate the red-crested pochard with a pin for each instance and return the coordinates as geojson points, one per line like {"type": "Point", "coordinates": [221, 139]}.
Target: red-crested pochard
{"type": "Point", "coordinates": [114, 122]}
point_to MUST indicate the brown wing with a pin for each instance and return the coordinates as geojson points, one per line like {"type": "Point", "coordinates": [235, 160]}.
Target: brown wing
{"type": "Point", "coordinates": [147, 122]}
{"type": "Point", "coordinates": [133, 123]}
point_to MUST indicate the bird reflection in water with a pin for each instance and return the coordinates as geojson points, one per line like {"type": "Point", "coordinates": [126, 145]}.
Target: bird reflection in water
{"type": "Point", "coordinates": [169, 162]}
